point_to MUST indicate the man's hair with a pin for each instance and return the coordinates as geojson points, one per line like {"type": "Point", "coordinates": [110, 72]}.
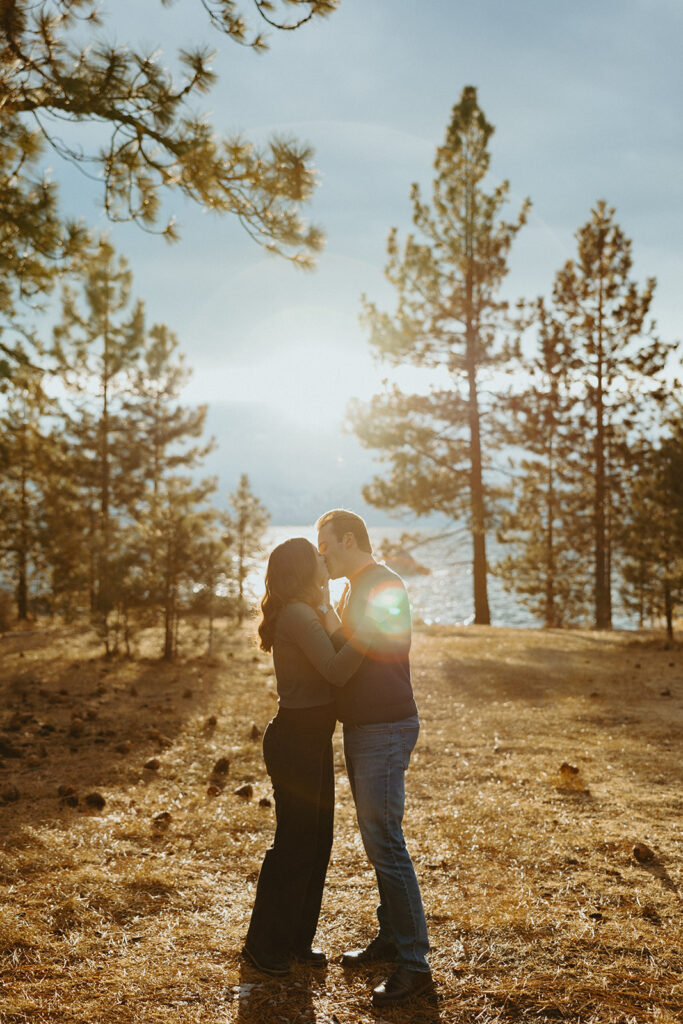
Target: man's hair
{"type": "Point", "coordinates": [342, 522]}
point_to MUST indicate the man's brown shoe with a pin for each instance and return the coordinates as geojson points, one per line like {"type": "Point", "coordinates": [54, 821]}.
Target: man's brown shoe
{"type": "Point", "coordinates": [403, 984]}
{"type": "Point", "coordinates": [378, 949]}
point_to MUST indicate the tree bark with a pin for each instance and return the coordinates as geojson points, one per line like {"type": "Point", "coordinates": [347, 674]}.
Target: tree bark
{"type": "Point", "coordinates": [169, 620]}
{"type": "Point", "coordinates": [668, 610]}
{"type": "Point", "coordinates": [602, 612]}
{"type": "Point", "coordinates": [22, 557]}
{"type": "Point", "coordinates": [482, 615]}
{"type": "Point", "coordinates": [550, 611]}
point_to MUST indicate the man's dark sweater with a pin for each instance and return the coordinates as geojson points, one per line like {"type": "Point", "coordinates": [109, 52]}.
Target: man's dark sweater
{"type": "Point", "coordinates": [380, 690]}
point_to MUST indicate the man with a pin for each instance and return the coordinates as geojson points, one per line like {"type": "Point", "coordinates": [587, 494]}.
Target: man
{"type": "Point", "coordinates": [380, 726]}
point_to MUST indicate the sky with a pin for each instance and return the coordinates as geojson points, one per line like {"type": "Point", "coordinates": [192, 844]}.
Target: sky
{"type": "Point", "coordinates": [586, 98]}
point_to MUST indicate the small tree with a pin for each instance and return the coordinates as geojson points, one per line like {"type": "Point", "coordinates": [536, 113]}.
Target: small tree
{"type": "Point", "coordinates": [69, 525]}
{"type": "Point", "coordinates": [23, 467]}
{"type": "Point", "coordinates": [244, 527]}
{"type": "Point", "coordinates": [176, 528]}
{"type": "Point", "coordinates": [538, 526]}
{"type": "Point", "coordinates": [651, 531]}
{"type": "Point", "coordinates": [213, 572]}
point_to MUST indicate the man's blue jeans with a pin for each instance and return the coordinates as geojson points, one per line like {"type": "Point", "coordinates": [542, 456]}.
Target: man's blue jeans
{"type": "Point", "coordinates": [377, 757]}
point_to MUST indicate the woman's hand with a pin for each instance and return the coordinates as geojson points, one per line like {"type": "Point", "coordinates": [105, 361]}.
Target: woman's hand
{"type": "Point", "coordinates": [331, 620]}
{"type": "Point", "coordinates": [323, 580]}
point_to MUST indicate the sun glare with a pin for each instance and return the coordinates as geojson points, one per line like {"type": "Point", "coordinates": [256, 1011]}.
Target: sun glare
{"type": "Point", "coordinates": [309, 381]}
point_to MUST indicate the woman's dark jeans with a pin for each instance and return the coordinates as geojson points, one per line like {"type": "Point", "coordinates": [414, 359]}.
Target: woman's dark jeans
{"type": "Point", "coordinates": [297, 749]}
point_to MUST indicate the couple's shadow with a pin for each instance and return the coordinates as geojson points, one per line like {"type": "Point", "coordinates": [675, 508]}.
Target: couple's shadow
{"type": "Point", "coordinates": [263, 1000]}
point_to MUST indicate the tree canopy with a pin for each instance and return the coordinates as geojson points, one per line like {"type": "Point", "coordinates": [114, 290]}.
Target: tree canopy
{"type": "Point", "coordinates": [137, 133]}
{"type": "Point", "coordinates": [55, 66]}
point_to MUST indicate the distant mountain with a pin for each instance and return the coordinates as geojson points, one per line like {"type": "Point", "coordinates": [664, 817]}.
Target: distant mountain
{"type": "Point", "coordinates": [298, 474]}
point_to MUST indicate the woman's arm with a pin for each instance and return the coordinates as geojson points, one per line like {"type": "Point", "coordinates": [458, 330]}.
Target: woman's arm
{"type": "Point", "coordinates": [304, 627]}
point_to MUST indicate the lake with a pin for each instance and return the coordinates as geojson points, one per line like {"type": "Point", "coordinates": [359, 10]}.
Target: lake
{"type": "Point", "coordinates": [445, 595]}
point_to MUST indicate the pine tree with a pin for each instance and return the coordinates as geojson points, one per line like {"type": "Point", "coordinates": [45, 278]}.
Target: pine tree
{"type": "Point", "coordinates": [180, 525]}
{"type": "Point", "coordinates": [157, 427]}
{"type": "Point", "coordinates": [141, 136]}
{"type": "Point", "coordinates": [651, 528]}
{"type": "Point", "coordinates": [96, 346]}
{"type": "Point", "coordinates": [69, 528]}
{"type": "Point", "coordinates": [617, 363]}
{"type": "Point", "coordinates": [163, 442]}
{"type": "Point", "coordinates": [540, 522]}
{"type": "Point", "coordinates": [56, 63]}
{"type": "Point", "coordinates": [22, 470]}
{"type": "Point", "coordinates": [448, 317]}
{"type": "Point", "coordinates": [35, 244]}
{"type": "Point", "coordinates": [244, 526]}
{"type": "Point", "coordinates": [213, 568]}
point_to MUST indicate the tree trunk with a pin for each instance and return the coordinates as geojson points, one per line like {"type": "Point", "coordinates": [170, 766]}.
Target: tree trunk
{"type": "Point", "coordinates": [104, 572]}
{"type": "Point", "coordinates": [601, 607]}
{"type": "Point", "coordinates": [22, 549]}
{"type": "Point", "coordinates": [21, 592]}
{"type": "Point", "coordinates": [602, 615]}
{"type": "Point", "coordinates": [668, 610]}
{"type": "Point", "coordinates": [482, 615]}
{"type": "Point", "coordinates": [609, 484]}
{"type": "Point", "coordinates": [22, 567]}
{"type": "Point", "coordinates": [126, 633]}
{"type": "Point", "coordinates": [169, 616]}
{"type": "Point", "coordinates": [550, 611]}
{"type": "Point", "coordinates": [240, 595]}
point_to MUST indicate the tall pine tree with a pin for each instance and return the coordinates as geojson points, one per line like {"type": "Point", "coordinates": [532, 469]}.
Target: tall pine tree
{"type": "Point", "coordinates": [96, 346]}
{"type": "Point", "coordinates": [448, 318]}
{"type": "Point", "coordinates": [617, 363]}
{"type": "Point", "coordinates": [163, 442]}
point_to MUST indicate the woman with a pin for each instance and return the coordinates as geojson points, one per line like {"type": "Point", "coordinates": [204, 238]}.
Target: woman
{"type": "Point", "coordinates": [296, 625]}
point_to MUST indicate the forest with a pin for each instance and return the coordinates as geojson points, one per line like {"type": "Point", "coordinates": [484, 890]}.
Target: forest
{"type": "Point", "coordinates": [105, 513]}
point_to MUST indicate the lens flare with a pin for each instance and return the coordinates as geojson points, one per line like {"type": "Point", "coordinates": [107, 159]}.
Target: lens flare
{"type": "Point", "coordinates": [388, 609]}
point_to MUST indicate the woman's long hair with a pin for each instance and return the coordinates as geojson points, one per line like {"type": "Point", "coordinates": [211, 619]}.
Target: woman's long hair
{"type": "Point", "coordinates": [290, 576]}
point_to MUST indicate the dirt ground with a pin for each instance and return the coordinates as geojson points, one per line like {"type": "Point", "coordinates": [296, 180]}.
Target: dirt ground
{"type": "Point", "coordinates": [544, 820]}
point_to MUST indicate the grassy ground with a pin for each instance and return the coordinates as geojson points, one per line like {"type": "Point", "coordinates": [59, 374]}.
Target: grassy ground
{"type": "Point", "coordinates": [134, 910]}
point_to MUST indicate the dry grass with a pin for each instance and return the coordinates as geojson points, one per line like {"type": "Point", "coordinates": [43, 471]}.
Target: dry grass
{"type": "Point", "coordinates": [537, 908]}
